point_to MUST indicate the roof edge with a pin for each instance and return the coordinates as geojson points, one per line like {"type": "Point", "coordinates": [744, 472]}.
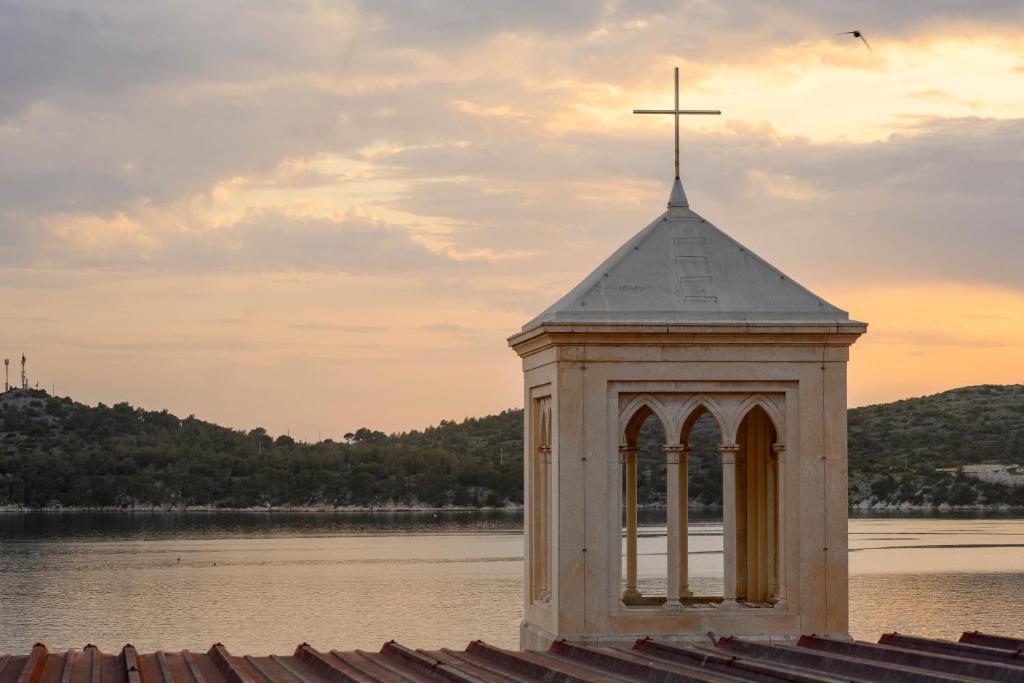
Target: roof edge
{"type": "Point", "coordinates": [733, 327]}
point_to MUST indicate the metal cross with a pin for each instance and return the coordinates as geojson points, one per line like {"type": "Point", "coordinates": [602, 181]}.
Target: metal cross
{"type": "Point", "coordinates": [676, 112]}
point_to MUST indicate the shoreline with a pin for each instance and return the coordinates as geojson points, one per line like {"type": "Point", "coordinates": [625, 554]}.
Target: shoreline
{"type": "Point", "coordinates": [906, 506]}
{"type": "Point", "coordinates": [164, 509]}
{"type": "Point", "coordinates": [148, 509]}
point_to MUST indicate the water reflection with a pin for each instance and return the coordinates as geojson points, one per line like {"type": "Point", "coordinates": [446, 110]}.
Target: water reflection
{"type": "Point", "coordinates": [259, 583]}
{"type": "Point", "coordinates": [263, 582]}
{"type": "Point", "coordinates": [936, 604]}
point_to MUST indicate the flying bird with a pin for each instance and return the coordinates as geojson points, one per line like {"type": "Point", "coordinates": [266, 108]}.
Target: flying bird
{"type": "Point", "coordinates": [857, 34]}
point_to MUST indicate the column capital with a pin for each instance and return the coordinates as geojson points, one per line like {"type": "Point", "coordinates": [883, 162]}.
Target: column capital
{"type": "Point", "coordinates": [627, 448]}
{"type": "Point", "coordinates": [728, 453]}
{"type": "Point", "coordinates": [674, 453]}
{"type": "Point", "coordinates": [780, 451]}
{"type": "Point", "coordinates": [545, 448]}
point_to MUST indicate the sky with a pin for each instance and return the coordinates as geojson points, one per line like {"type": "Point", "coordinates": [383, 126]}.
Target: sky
{"type": "Point", "coordinates": [317, 216]}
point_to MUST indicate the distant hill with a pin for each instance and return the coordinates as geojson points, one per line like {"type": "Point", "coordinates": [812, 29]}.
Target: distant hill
{"type": "Point", "coordinates": [54, 451]}
{"type": "Point", "coordinates": [958, 427]}
{"type": "Point", "coordinates": [895, 448]}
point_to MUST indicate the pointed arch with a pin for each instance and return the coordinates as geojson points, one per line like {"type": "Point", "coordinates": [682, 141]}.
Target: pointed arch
{"type": "Point", "coordinates": [771, 409]}
{"type": "Point", "coordinates": [636, 412]}
{"type": "Point", "coordinates": [694, 409]}
{"type": "Point", "coordinates": [545, 423]}
{"type": "Point", "coordinates": [756, 499]}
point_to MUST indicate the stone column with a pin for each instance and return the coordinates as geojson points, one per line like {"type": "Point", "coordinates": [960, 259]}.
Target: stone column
{"type": "Point", "coordinates": [783, 507]}
{"type": "Point", "coordinates": [684, 522]}
{"type": "Point", "coordinates": [676, 534]}
{"type": "Point", "coordinates": [629, 458]}
{"type": "Point", "coordinates": [544, 540]}
{"type": "Point", "coordinates": [728, 453]}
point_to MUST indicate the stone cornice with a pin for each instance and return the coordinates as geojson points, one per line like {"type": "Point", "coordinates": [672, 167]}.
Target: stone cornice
{"type": "Point", "coordinates": [546, 335]}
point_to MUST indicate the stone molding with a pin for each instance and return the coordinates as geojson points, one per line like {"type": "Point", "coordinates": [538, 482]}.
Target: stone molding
{"type": "Point", "coordinates": [728, 452]}
{"type": "Point", "coordinates": [678, 410]}
{"type": "Point", "coordinates": [841, 334]}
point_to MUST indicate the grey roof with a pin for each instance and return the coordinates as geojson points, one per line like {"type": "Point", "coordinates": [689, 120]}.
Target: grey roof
{"type": "Point", "coordinates": [682, 269]}
{"type": "Point", "coordinates": [977, 657]}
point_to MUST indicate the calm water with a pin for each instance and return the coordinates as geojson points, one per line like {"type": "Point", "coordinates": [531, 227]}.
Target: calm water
{"type": "Point", "coordinates": [263, 583]}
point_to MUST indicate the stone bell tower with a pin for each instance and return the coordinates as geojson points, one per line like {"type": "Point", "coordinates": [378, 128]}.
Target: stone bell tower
{"type": "Point", "coordinates": [679, 322]}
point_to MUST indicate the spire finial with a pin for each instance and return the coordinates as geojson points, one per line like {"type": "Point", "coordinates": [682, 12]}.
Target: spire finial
{"type": "Point", "coordinates": [678, 197]}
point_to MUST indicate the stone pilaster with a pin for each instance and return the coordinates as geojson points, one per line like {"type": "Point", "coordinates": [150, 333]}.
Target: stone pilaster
{"type": "Point", "coordinates": [783, 510]}
{"type": "Point", "coordinates": [728, 453]}
{"type": "Point", "coordinates": [628, 454]}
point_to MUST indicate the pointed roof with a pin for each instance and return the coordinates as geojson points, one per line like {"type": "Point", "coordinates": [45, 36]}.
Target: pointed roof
{"type": "Point", "coordinates": [682, 269]}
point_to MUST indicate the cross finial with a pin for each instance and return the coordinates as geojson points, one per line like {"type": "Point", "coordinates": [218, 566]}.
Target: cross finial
{"type": "Point", "coordinates": [678, 197]}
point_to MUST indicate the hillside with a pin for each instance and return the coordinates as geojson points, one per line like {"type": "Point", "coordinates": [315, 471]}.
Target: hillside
{"type": "Point", "coordinates": [957, 427]}
{"type": "Point", "coordinates": [895, 448]}
{"type": "Point", "coordinates": [54, 451]}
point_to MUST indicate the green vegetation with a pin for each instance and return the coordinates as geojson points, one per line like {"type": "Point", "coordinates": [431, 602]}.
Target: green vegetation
{"type": "Point", "coordinates": [55, 451]}
{"type": "Point", "coordinates": [896, 448]}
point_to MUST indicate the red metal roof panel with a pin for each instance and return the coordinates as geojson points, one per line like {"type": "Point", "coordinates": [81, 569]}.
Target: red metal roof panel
{"type": "Point", "coordinates": [978, 657]}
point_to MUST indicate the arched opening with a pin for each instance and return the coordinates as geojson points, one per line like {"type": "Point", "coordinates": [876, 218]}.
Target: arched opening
{"type": "Point", "coordinates": [757, 509]}
{"type": "Point", "coordinates": [712, 527]}
{"type": "Point", "coordinates": [643, 486]}
{"type": "Point", "coordinates": [701, 557]}
{"type": "Point", "coordinates": [705, 556]}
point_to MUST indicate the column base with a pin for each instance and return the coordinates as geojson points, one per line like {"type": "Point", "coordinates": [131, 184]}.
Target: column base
{"type": "Point", "coordinates": [631, 594]}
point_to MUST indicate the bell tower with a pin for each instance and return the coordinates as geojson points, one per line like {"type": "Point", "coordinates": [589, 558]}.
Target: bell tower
{"type": "Point", "coordinates": [681, 322]}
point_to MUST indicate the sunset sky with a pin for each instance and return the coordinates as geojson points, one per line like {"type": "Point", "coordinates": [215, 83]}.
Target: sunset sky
{"type": "Point", "coordinates": [316, 216]}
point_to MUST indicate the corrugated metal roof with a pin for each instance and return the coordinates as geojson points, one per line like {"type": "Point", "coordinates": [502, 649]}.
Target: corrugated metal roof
{"type": "Point", "coordinates": [976, 657]}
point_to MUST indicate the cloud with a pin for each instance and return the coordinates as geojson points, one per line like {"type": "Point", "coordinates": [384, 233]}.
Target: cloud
{"type": "Point", "coordinates": [446, 169]}
{"type": "Point", "coordinates": [436, 21]}
{"type": "Point", "coordinates": [108, 104]}
{"type": "Point", "coordinates": [262, 241]}
{"type": "Point", "coordinates": [941, 199]}
{"type": "Point", "coordinates": [156, 148]}
{"type": "Point", "coordinates": [86, 52]}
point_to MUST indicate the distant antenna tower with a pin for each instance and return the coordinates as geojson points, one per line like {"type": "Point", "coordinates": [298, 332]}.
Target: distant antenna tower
{"type": "Point", "coordinates": [7, 374]}
{"type": "Point", "coordinates": [24, 377]}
